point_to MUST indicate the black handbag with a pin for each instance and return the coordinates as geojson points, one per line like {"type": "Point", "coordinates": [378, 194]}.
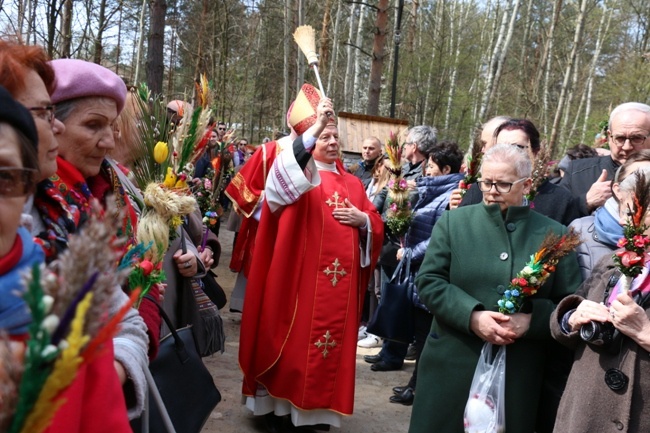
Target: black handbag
{"type": "Point", "coordinates": [393, 317]}
{"type": "Point", "coordinates": [184, 383]}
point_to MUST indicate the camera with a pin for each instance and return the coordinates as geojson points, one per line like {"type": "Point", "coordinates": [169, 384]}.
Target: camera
{"type": "Point", "coordinates": [599, 333]}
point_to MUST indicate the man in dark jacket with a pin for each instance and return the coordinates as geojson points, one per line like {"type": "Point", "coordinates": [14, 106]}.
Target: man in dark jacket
{"type": "Point", "coordinates": [589, 179]}
{"type": "Point", "coordinates": [370, 152]}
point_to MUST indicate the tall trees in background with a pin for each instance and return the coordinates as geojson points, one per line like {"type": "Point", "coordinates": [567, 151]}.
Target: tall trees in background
{"type": "Point", "coordinates": [561, 63]}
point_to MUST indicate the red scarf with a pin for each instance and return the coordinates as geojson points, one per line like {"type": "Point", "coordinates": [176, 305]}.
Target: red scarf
{"type": "Point", "coordinates": [63, 202]}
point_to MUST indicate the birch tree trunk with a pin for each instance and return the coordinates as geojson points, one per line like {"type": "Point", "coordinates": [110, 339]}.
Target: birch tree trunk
{"type": "Point", "coordinates": [300, 72]}
{"type": "Point", "coordinates": [331, 89]}
{"type": "Point", "coordinates": [138, 56]}
{"type": "Point", "coordinates": [523, 67]}
{"type": "Point", "coordinates": [438, 14]}
{"type": "Point", "coordinates": [377, 65]}
{"type": "Point", "coordinates": [607, 16]}
{"type": "Point", "coordinates": [324, 52]}
{"type": "Point", "coordinates": [492, 70]}
{"type": "Point", "coordinates": [349, 67]}
{"type": "Point", "coordinates": [567, 74]}
{"type": "Point", "coordinates": [287, 53]}
{"type": "Point", "coordinates": [356, 87]}
{"type": "Point", "coordinates": [564, 134]}
{"type": "Point", "coordinates": [502, 56]}
{"type": "Point", "coordinates": [545, 68]}
{"type": "Point", "coordinates": [462, 19]}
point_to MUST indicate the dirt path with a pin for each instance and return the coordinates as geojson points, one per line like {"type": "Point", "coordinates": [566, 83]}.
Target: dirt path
{"type": "Point", "coordinates": [372, 411]}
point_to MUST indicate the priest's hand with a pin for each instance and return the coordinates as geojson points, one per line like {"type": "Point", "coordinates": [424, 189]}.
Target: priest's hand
{"type": "Point", "coordinates": [324, 108]}
{"type": "Point", "coordinates": [349, 215]}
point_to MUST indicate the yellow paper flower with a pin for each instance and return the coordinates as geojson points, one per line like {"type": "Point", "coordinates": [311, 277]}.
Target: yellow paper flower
{"type": "Point", "coordinates": [160, 152]}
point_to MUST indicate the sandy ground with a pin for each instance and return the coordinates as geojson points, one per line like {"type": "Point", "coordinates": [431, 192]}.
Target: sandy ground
{"type": "Point", "coordinates": [373, 413]}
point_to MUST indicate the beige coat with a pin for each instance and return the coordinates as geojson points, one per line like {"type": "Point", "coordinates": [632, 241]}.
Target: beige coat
{"type": "Point", "coordinates": [588, 404]}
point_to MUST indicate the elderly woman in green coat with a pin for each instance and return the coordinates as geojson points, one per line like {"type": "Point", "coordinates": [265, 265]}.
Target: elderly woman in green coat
{"type": "Point", "coordinates": [474, 253]}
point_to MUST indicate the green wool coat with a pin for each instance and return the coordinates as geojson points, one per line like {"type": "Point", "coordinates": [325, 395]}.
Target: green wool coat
{"type": "Point", "coordinates": [473, 254]}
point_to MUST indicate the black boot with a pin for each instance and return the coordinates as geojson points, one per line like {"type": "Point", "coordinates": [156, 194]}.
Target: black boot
{"type": "Point", "coordinates": [405, 398]}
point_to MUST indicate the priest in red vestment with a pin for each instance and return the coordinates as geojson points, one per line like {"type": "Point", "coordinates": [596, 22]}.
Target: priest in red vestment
{"type": "Point", "coordinates": [246, 190]}
{"type": "Point", "coordinates": [317, 243]}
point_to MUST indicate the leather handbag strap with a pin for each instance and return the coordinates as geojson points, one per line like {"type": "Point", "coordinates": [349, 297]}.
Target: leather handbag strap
{"type": "Point", "coordinates": [403, 270]}
{"type": "Point", "coordinates": [178, 341]}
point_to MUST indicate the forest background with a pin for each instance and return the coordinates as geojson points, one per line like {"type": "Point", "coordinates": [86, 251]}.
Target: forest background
{"type": "Point", "coordinates": [564, 64]}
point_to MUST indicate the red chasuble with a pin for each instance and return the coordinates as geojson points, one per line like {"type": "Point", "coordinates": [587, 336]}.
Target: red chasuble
{"type": "Point", "coordinates": [304, 298]}
{"type": "Point", "coordinates": [245, 191]}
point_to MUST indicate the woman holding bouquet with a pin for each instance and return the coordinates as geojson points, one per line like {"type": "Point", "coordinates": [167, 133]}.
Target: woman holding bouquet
{"type": "Point", "coordinates": [610, 380]}
{"type": "Point", "coordinates": [55, 212]}
{"type": "Point", "coordinates": [473, 255]}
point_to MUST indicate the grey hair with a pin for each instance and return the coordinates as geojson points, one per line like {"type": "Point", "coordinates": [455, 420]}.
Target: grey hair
{"type": "Point", "coordinates": [627, 106]}
{"type": "Point", "coordinates": [425, 137]}
{"type": "Point", "coordinates": [509, 154]}
{"type": "Point", "coordinates": [65, 108]}
{"type": "Point", "coordinates": [628, 185]}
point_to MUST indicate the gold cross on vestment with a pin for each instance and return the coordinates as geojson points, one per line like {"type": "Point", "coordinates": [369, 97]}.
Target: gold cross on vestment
{"type": "Point", "coordinates": [336, 203]}
{"type": "Point", "coordinates": [335, 271]}
{"type": "Point", "coordinates": [327, 343]}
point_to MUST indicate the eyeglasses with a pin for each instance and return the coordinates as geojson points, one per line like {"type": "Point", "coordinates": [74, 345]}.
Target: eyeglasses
{"type": "Point", "coordinates": [410, 143]}
{"type": "Point", "coordinates": [635, 140]}
{"type": "Point", "coordinates": [502, 187]}
{"type": "Point", "coordinates": [16, 182]}
{"type": "Point", "coordinates": [221, 129]}
{"type": "Point", "coordinates": [47, 112]}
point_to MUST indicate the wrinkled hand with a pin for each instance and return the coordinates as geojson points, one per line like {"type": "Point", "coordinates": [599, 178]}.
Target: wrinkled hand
{"type": "Point", "coordinates": [349, 215]}
{"type": "Point", "coordinates": [519, 323]}
{"type": "Point", "coordinates": [411, 185]}
{"type": "Point", "coordinates": [324, 109]}
{"type": "Point", "coordinates": [455, 198]}
{"type": "Point", "coordinates": [206, 257]}
{"type": "Point", "coordinates": [586, 312]}
{"type": "Point", "coordinates": [599, 192]}
{"type": "Point", "coordinates": [186, 263]}
{"type": "Point", "coordinates": [161, 291]}
{"type": "Point", "coordinates": [487, 325]}
{"type": "Point", "coordinates": [629, 318]}
{"type": "Point", "coordinates": [400, 254]}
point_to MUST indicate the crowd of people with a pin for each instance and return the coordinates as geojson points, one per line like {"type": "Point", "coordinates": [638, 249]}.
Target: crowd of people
{"type": "Point", "coordinates": [67, 134]}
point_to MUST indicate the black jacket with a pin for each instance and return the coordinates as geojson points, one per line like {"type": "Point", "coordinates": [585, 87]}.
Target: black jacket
{"type": "Point", "coordinates": [582, 173]}
{"type": "Point", "coordinates": [551, 201]}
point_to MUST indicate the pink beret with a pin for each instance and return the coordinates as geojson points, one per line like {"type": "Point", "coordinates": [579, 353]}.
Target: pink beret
{"type": "Point", "coordinates": [78, 79]}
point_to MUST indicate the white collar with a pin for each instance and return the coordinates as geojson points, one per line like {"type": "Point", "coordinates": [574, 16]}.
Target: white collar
{"type": "Point", "coordinates": [323, 166]}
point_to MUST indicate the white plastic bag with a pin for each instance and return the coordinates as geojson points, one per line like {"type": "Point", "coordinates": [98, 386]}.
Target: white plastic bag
{"type": "Point", "coordinates": [485, 408]}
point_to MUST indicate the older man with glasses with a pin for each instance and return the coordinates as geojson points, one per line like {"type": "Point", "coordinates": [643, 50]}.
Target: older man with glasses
{"type": "Point", "coordinates": [589, 179]}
